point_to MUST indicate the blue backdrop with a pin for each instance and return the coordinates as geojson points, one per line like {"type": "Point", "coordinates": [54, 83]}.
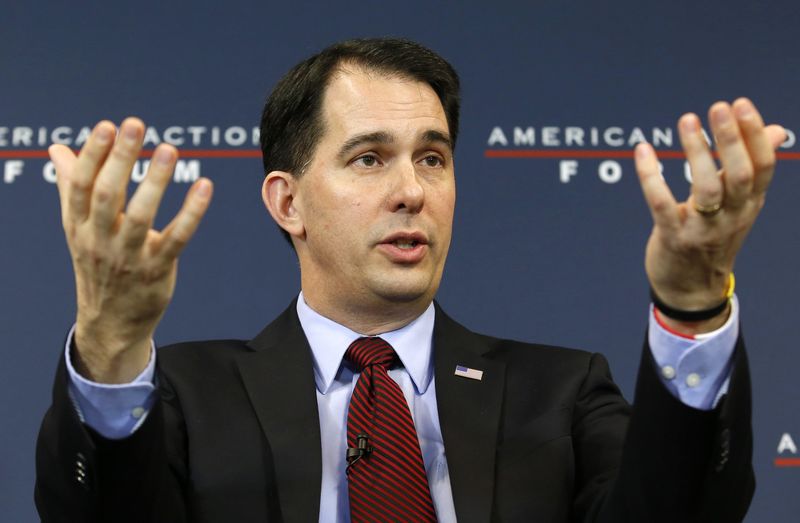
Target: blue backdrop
{"type": "Point", "coordinates": [553, 236]}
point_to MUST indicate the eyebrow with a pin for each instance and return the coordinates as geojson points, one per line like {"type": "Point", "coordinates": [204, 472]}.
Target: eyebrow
{"type": "Point", "coordinates": [382, 137]}
{"type": "Point", "coordinates": [437, 137]}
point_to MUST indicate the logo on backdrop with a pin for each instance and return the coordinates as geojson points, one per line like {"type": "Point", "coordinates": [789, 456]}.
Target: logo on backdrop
{"type": "Point", "coordinates": [603, 152]}
{"type": "Point", "coordinates": [787, 452]}
{"type": "Point", "coordinates": [23, 149]}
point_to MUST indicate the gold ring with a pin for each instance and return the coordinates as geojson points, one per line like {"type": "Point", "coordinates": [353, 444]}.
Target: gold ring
{"type": "Point", "coordinates": [707, 211]}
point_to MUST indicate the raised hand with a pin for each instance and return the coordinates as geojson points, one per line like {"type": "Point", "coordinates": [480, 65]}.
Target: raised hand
{"type": "Point", "coordinates": [124, 270]}
{"type": "Point", "coordinates": [692, 248]}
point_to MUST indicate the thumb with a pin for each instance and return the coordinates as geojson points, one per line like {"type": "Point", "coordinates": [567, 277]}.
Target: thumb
{"type": "Point", "coordinates": [64, 161]}
{"type": "Point", "coordinates": [63, 158]}
{"type": "Point", "coordinates": [776, 134]}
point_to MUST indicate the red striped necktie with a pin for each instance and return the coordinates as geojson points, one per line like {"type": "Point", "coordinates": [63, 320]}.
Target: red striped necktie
{"type": "Point", "coordinates": [385, 471]}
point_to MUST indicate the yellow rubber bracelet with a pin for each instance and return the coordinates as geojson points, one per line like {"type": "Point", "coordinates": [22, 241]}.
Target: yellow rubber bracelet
{"type": "Point", "coordinates": [731, 286]}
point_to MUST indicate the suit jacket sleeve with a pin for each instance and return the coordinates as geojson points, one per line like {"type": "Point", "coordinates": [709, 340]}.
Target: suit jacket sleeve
{"type": "Point", "coordinates": [677, 464]}
{"type": "Point", "coordinates": [82, 476]}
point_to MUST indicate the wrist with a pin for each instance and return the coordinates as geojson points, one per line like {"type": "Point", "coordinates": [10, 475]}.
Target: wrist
{"type": "Point", "coordinates": [106, 361]}
{"type": "Point", "coordinates": [689, 290]}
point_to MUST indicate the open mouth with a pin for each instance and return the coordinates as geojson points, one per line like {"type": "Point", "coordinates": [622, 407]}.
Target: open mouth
{"type": "Point", "coordinates": [405, 247]}
{"type": "Point", "coordinates": [405, 244]}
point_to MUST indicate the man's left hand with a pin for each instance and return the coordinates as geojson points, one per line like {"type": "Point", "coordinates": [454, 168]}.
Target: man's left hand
{"type": "Point", "coordinates": [691, 251]}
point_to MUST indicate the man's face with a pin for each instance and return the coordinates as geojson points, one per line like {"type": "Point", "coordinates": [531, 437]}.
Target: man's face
{"type": "Point", "coordinates": [377, 199]}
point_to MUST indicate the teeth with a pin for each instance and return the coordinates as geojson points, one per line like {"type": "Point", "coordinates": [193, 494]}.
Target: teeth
{"type": "Point", "coordinates": [405, 244]}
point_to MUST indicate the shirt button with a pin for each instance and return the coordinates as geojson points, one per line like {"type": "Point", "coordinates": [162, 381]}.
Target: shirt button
{"type": "Point", "coordinates": [693, 379]}
{"type": "Point", "coordinates": [668, 372]}
{"type": "Point", "coordinates": [137, 412]}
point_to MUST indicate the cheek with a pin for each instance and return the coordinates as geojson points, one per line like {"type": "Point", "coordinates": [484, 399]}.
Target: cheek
{"type": "Point", "coordinates": [444, 202]}
{"type": "Point", "coordinates": [345, 222]}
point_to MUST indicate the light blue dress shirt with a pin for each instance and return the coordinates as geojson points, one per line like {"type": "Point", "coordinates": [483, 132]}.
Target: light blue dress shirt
{"type": "Point", "coordinates": [695, 371]}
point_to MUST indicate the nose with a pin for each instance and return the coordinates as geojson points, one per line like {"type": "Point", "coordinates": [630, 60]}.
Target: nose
{"type": "Point", "coordinates": [408, 193]}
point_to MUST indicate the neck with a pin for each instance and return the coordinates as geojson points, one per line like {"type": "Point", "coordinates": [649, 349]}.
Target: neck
{"type": "Point", "coordinates": [367, 319]}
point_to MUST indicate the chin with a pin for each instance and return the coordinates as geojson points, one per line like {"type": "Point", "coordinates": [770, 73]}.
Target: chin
{"type": "Point", "coordinates": [406, 291]}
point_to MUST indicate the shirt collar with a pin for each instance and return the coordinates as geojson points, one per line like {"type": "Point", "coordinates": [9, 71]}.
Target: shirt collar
{"type": "Point", "coordinates": [329, 341]}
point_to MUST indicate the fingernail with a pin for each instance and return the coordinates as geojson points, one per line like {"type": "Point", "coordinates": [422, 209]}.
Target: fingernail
{"type": "Point", "coordinates": [203, 188]}
{"type": "Point", "coordinates": [642, 151]}
{"type": "Point", "coordinates": [690, 124]}
{"type": "Point", "coordinates": [130, 133]}
{"type": "Point", "coordinates": [104, 134]}
{"type": "Point", "coordinates": [163, 156]}
{"type": "Point", "coordinates": [744, 110]}
{"type": "Point", "coordinates": [721, 115]}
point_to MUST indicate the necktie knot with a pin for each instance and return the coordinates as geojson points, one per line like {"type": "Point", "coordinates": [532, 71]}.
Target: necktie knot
{"type": "Point", "coordinates": [365, 352]}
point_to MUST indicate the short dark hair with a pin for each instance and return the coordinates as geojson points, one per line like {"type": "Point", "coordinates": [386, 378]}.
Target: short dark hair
{"type": "Point", "coordinates": [292, 124]}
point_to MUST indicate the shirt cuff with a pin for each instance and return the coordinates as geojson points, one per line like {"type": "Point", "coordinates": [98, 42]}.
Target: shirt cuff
{"type": "Point", "coordinates": [696, 371]}
{"type": "Point", "coordinates": [113, 410]}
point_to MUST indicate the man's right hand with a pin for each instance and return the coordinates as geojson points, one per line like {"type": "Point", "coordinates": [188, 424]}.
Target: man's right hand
{"type": "Point", "coordinates": [124, 270]}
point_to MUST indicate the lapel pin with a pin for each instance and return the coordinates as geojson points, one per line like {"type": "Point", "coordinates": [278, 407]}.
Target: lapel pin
{"type": "Point", "coordinates": [466, 372]}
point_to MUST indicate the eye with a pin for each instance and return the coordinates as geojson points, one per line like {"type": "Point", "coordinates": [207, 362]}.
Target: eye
{"type": "Point", "coordinates": [433, 160]}
{"type": "Point", "coordinates": [366, 160]}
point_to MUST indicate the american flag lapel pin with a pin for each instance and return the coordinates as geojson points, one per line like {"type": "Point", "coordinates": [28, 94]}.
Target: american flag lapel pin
{"type": "Point", "coordinates": [466, 372]}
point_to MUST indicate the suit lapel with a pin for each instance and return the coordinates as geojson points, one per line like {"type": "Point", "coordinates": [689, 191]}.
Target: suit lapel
{"type": "Point", "coordinates": [279, 378]}
{"type": "Point", "coordinates": [469, 414]}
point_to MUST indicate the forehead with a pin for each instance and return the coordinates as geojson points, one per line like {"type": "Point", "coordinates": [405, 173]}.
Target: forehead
{"type": "Point", "coordinates": [358, 101]}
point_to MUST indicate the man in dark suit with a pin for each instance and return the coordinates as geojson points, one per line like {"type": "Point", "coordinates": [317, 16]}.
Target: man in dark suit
{"type": "Point", "coordinates": [358, 149]}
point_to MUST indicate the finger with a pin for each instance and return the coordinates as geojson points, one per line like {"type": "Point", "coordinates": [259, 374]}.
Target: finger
{"type": "Point", "coordinates": [759, 145]}
{"type": "Point", "coordinates": [144, 203]}
{"type": "Point", "coordinates": [706, 185]}
{"type": "Point", "coordinates": [108, 193]}
{"type": "Point", "coordinates": [733, 155]}
{"type": "Point", "coordinates": [85, 168]}
{"type": "Point", "coordinates": [64, 162]}
{"type": "Point", "coordinates": [181, 229]}
{"type": "Point", "coordinates": [659, 198]}
{"type": "Point", "coordinates": [777, 135]}
{"type": "Point", "coordinates": [774, 136]}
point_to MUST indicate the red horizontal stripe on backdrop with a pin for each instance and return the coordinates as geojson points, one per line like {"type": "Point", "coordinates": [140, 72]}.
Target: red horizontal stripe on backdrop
{"type": "Point", "coordinates": [217, 153]}
{"type": "Point", "coordinates": [37, 153]}
{"type": "Point", "coordinates": [185, 153]}
{"type": "Point", "coordinates": [787, 462]}
{"type": "Point", "coordinates": [560, 153]}
{"type": "Point", "coordinates": [587, 153]}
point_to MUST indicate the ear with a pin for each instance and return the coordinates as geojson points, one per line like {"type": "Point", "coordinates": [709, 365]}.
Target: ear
{"type": "Point", "coordinates": [278, 192]}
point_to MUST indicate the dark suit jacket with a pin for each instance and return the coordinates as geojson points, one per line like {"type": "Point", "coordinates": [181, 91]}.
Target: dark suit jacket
{"type": "Point", "coordinates": [545, 436]}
